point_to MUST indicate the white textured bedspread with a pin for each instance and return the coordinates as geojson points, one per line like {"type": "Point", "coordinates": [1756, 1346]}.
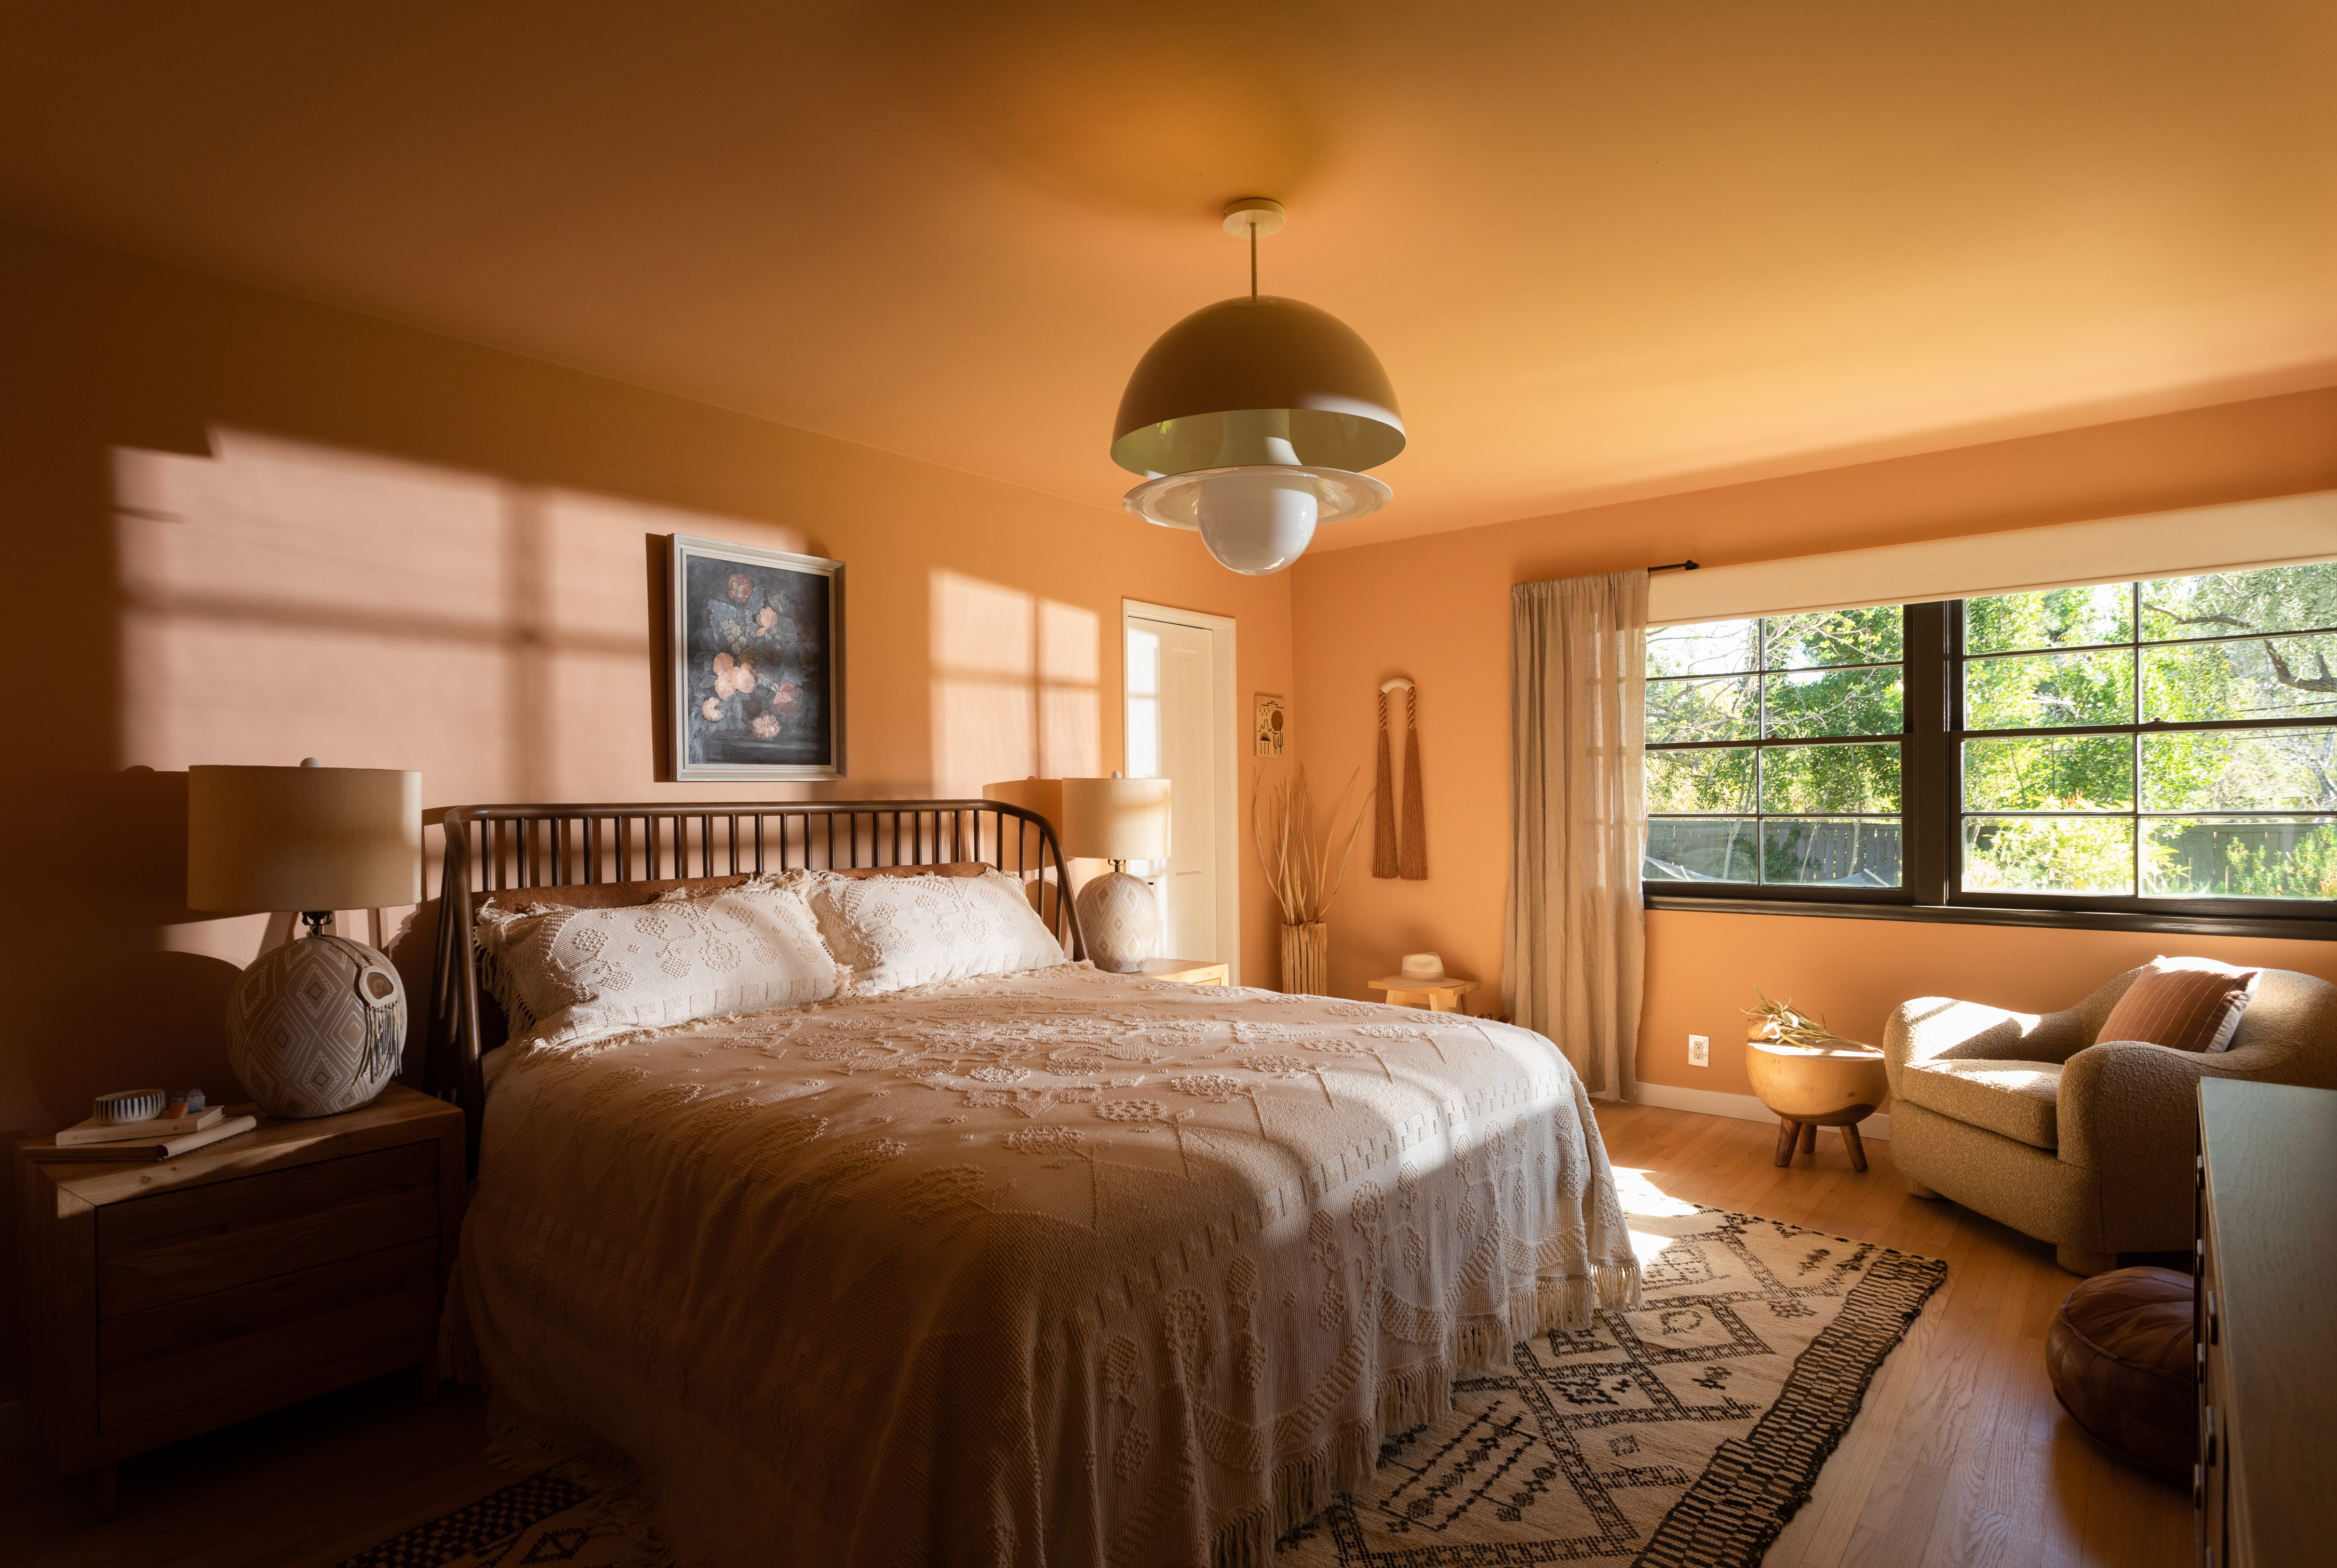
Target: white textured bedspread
{"type": "Point", "coordinates": [1065, 1268]}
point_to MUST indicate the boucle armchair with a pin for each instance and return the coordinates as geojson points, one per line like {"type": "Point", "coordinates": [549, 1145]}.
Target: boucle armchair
{"type": "Point", "coordinates": [2088, 1144]}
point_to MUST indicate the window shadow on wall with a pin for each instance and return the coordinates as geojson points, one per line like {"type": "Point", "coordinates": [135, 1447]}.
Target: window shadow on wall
{"type": "Point", "coordinates": [277, 599]}
{"type": "Point", "coordinates": [1016, 688]}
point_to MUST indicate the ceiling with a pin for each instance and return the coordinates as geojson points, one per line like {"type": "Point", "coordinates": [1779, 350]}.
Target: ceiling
{"type": "Point", "coordinates": [1605, 250]}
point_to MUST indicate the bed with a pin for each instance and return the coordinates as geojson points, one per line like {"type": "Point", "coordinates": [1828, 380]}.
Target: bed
{"type": "Point", "coordinates": [1048, 1265]}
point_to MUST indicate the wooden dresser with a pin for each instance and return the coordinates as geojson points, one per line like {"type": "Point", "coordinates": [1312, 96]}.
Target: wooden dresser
{"type": "Point", "coordinates": [2265, 1486]}
{"type": "Point", "coordinates": [163, 1299]}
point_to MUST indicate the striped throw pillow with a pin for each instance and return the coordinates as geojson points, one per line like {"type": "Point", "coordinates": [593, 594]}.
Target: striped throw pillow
{"type": "Point", "coordinates": [2188, 1004]}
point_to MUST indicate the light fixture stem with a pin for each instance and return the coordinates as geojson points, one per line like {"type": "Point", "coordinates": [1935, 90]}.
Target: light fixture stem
{"type": "Point", "coordinates": [1253, 258]}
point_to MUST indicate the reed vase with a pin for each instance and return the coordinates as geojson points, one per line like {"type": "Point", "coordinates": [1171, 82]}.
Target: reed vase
{"type": "Point", "coordinates": [1307, 959]}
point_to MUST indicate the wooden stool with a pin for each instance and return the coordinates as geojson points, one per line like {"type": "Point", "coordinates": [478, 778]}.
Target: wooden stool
{"type": "Point", "coordinates": [1815, 1086]}
{"type": "Point", "coordinates": [1445, 997]}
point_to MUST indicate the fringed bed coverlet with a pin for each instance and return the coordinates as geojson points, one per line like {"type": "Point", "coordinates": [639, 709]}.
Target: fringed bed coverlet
{"type": "Point", "coordinates": [1065, 1268]}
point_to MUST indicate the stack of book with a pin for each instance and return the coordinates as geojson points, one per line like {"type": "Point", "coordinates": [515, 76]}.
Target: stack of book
{"type": "Point", "coordinates": [164, 1138]}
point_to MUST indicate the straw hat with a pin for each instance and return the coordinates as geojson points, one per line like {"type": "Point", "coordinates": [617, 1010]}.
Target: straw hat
{"type": "Point", "coordinates": [1423, 969]}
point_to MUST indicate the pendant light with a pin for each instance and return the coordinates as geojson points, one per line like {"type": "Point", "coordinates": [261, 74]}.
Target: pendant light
{"type": "Point", "coordinates": [1252, 419]}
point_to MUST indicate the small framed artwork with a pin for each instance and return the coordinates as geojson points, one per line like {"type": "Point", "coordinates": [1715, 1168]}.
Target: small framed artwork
{"type": "Point", "coordinates": [756, 657]}
{"type": "Point", "coordinates": [1268, 727]}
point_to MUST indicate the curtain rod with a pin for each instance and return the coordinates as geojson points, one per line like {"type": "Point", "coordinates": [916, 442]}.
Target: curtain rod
{"type": "Point", "coordinates": [1676, 566]}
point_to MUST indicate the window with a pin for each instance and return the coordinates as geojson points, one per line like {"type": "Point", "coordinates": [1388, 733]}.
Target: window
{"type": "Point", "coordinates": [2155, 748]}
{"type": "Point", "coordinates": [1774, 751]}
{"type": "Point", "coordinates": [2147, 738]}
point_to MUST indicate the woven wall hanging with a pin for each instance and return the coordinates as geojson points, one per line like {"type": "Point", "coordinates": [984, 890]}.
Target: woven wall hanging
{"type": "Point", "coordinates": [1409, 858]}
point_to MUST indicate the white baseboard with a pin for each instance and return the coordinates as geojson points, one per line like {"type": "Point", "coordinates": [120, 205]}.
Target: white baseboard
{"type": "Point", "coordinates": [15, 1426]}
{"type": "Point", "coordinates": [1739, 1107]}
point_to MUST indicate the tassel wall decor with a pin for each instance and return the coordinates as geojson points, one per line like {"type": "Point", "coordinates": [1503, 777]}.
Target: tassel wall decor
{"type": "Point", "coordinates": [1408, 860]}
{"type": "Point", "coordinates": [1383, 856]}
{"type": "Point", "coordinates": [1415, 814]}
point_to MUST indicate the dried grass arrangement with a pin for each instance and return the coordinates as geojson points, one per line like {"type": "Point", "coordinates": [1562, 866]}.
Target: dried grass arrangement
{"type": "Point", "coordinates": [1297, 860]}
{"type": "Point", "coordinates": [1788, 1025]}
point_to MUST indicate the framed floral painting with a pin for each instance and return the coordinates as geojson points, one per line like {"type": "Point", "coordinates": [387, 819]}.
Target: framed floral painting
{"type": "Point", "coordinates": [758, 662]}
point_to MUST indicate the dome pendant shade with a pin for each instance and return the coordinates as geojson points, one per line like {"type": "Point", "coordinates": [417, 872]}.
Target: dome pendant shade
{"type": "Point", "coordinates": [1253, 380]}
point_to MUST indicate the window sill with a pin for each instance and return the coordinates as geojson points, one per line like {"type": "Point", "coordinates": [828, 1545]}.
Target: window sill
{"type": "Point", "coordinates": [1965, 915]}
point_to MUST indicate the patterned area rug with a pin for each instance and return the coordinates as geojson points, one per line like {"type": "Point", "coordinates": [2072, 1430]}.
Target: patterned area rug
{"type": "Point", "coordinates": [541, 1519]}
{"type": "Point", "coordinates": [1682, 1436]}
{"type": "Point", "coordinates": [1685, 1434]}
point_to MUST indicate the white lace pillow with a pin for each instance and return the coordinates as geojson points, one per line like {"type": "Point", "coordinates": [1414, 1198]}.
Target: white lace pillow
{"type": "Point", "coordinates": [568, 974]}
{"type": "Point", "coordinates": [893, 932]}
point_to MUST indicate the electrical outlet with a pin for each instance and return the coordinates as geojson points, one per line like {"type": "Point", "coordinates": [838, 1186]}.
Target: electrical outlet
{"type": "Point", "coordinates": [1699, 1051]}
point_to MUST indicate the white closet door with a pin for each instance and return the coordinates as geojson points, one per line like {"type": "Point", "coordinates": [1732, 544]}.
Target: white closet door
{"type": "Point", "coordinates": [1173, 734]}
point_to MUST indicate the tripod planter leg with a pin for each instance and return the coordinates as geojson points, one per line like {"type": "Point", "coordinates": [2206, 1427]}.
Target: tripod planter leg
{"type": "Point", "coordinates": [1809, 1138]}
{"type": "Point", "coordinates": [1786, 1133]}
{"type": "Point", "coordinates": [1857, 1150]}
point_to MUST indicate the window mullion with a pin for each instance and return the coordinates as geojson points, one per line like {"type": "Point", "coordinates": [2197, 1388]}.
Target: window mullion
{"type": "Point", "coordinates": [1760, 750]}
{"type": "Point", "coordinates": [2133, 742]}
{"type": "Point", "coordinates": [1927, 769]}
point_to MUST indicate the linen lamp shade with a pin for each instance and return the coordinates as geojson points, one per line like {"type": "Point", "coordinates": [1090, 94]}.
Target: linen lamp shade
{"type": "Point", "coordinates": [317, 1027]}
{"type": "Point", "coordinates": [1116, 819]}
{"type": "Point", "coordinates": [306, 837]}
{"type": "Point", "coordinates": [1044, 796]}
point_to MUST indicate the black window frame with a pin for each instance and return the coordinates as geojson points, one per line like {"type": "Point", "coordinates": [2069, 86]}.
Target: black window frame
{"type": "Point", "coordinates": [1761, 742]}
{"type": "Point", "coordinates": [1931, 783]}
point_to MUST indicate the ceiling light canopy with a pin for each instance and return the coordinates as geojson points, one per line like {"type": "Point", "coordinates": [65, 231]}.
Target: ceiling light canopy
{"type": "Point", "coordinates": [1252, 418]}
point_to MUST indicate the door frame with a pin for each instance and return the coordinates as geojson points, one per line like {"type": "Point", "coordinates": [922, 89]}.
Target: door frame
{"type": "Point", "coordinates": [1231, 731]}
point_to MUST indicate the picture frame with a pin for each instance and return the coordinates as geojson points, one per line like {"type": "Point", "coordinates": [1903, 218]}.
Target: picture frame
{"type": "Point", "coordinates": [755, 662]}
{"type": "Point", "coordinates": [1266, 726]}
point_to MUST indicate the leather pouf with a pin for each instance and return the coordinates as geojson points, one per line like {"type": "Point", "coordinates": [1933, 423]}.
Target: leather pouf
{"type": "Point", "coordinates": [2119, 1354]}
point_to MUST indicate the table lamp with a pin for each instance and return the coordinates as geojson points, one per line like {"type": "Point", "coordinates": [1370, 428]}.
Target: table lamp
{"type": "Point", "coordinates": [317, 1026]}
{"type": "Point", "coordinates": [1116, 819]}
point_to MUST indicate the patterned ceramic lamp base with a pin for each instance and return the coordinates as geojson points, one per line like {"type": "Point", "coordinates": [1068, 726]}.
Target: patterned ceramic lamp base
{"type": "Point", "coordinates": [315, 1028]}
{"type": "Point", "coordinates": [1120, 920]}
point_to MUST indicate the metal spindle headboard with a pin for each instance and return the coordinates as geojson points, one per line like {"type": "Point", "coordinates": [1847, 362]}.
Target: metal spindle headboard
{"type": "Point", "coordinates": [495, 848]}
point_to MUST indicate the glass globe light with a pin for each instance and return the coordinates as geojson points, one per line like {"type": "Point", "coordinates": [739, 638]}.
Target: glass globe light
{"type": "Point", "coordinates": [1255, 522]}
{"type": "Point", "coordinates": [1257, 517]}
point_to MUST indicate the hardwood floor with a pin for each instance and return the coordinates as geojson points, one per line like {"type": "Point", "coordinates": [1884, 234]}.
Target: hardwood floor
{"type": "Point", "coordinates": [301, 1487]}
{"type": "Point", "coordinates": [1961, 1456]}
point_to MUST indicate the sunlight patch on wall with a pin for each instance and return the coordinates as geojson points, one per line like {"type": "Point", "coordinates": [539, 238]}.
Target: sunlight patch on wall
{"type": "Point", "coordinates": [283, 600]}
{"type": "Point", "coordinates": [1071, 714]}
{"type": "Point", "coordinates": [1015, 685]}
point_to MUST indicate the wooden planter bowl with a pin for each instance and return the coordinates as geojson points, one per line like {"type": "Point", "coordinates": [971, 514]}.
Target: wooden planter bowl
{"type": "Point", "coordinates": [1817, 1086]}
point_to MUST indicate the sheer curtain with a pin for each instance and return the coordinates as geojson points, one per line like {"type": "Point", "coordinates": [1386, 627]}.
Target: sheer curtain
{"type": "Point", "coordinates": [1575, 947]}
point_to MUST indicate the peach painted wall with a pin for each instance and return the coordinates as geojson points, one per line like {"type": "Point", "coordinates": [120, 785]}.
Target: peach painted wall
{"type": "Point", "coordinates": [1436, 608]}
{"type": "Point", "coordinates": [1702, 968]}
{"type": "Point", "coordinates": [244, 528]}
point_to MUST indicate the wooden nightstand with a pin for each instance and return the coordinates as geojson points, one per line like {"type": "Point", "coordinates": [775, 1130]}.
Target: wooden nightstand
{"type": "Point", "coordinates": [165, 1298]}
{"type": "Point", "coordinates": [1192, 971]}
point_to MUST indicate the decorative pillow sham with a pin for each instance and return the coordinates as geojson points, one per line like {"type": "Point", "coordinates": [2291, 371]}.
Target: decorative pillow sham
{"type": "Point", "coordinates": [895, 932]}
{"type": "Point", "coordinates": [565, 974]}
{"type": "Point", "coordinates": [2187, 1004]}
